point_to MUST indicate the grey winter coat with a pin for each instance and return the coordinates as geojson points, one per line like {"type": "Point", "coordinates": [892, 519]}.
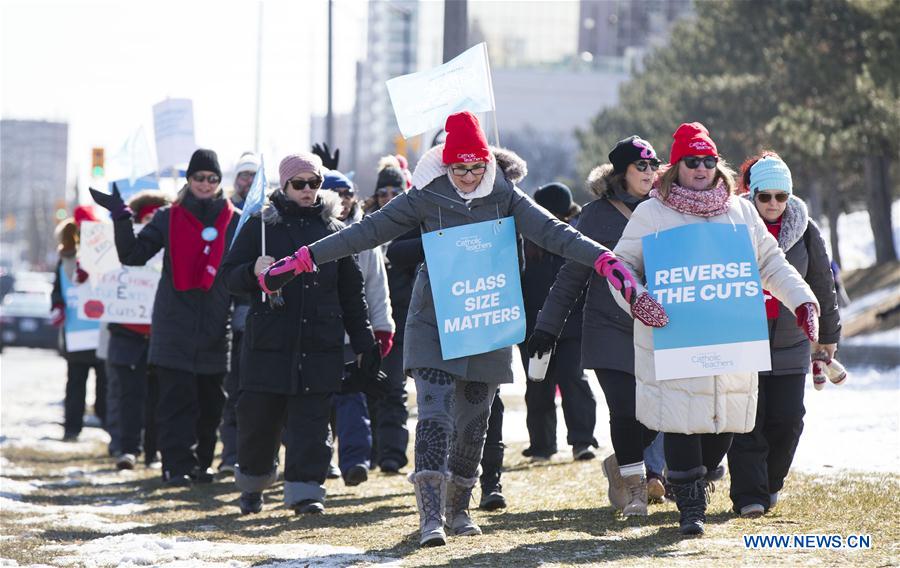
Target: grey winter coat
{"type": "Point", "coordinates": [607, 340]}
{"type": "Point", "coordinates": [434, 204]}
{"type": "Point", "coordinates": [804, 248]}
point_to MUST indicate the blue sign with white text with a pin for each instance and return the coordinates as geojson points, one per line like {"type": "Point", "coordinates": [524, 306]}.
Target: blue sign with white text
{"type": "Point", "coordinates": [706, 277]}
{"type": "Point", "coordinates": [474, 271]}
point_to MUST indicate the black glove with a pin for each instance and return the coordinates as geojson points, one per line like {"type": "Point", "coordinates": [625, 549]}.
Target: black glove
{"type": "Point", "coordinates": [366, 376]}
{"type": "Point", "coordinates": [540, 342]}
{"type": "Point", "coordinates": [324, 152]}
{"type": "Point", "coordinates": [111, 202]}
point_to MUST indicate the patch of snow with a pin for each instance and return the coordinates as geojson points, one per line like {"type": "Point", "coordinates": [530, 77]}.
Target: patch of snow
{"type": "Point", "coordinates": [888, 337]}
{"type": "Point", "coordinates": [14, 489]}
{"type": "Point", "coordinates": [856, 240]}
{"type": "Point", "coordinates": [867, 302]}
{"type": "Point", "coordinates": [9, 468]}
{"type": "Point", "coordinates": [168, 552]}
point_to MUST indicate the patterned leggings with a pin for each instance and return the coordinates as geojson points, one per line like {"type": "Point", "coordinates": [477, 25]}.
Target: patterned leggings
{"type": "Point", "coordinates": [453, 419]}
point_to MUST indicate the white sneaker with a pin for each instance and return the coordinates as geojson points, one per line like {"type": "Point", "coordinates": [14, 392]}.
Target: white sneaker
{"type": "Point", "coordinates": [126, 461]}
{"type": "Point", "coordinates": [752, 511]}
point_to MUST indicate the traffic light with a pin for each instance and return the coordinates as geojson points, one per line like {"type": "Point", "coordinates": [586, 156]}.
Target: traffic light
{"type": "Point", "coordinates": [97, 162]}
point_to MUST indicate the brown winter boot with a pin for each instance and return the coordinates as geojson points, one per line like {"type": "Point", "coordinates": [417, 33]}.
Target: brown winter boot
{"type": "Point", "coordinates": [456, 513]}
{"type": "Point", "coordinates": [637, 496]}
{"type": "Point", "coordinates": [618, 493]}
{"type": "Point", "coordinates": [431, 492]}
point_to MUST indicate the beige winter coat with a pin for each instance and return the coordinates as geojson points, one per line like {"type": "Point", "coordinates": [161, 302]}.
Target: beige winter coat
{"type": "Point", "coordinates": [711, 404]}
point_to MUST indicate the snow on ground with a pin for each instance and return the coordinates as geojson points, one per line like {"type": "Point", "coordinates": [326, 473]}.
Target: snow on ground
{"type": "Point", "coordinates": [168, 552]}
{"type": "Point", "coordinates": [855, 237]}
{"type": "Point", "coordinates": [889, 337]}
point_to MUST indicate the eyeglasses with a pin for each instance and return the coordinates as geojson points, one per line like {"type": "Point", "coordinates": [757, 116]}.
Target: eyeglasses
{"type": "Point", "coordinates": [780, 197]}
{"type": "Point", "coordinates": [314, 183]}
{"type": "Point", "coordinates": [692, 162]}
{"type": "Point", "coordinates": [211, 178]}
{"type": "Point", "coordinates": [475, 170]}
{"type": "Point", "coordinates": [247, 174]}
{"type": "Point", "coordinates": [642, 165]}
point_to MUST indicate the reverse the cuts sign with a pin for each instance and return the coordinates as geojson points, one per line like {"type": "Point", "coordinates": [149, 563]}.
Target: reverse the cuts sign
{"type": "Point", "coordinates": [475, 285]}
{"type": "Point", "coordinates": [706, 277]}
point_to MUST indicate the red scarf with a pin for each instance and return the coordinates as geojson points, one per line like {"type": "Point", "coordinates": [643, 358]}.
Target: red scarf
{"type": "Point", "coordinates": [773, 306]}
{"type": "Point", "coordinates": [195, 262]}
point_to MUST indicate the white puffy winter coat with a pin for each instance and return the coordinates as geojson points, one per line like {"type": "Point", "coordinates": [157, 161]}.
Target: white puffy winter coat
{"type": "Point", "coordinates": [711, 404]}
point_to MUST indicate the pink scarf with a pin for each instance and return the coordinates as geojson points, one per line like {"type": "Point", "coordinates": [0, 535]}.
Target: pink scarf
{"type": "Point", "coordinates": [703, 203]}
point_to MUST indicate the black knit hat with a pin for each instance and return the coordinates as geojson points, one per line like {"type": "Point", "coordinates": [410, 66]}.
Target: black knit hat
{"type": "Point", "coordinates": [204, 160]}
{"type": "Point", "coordinates": [630, 150]}
{"type": "Point", "coordinates": [555, 198]}
{"type": "Point", "coordinates": [391, 177]}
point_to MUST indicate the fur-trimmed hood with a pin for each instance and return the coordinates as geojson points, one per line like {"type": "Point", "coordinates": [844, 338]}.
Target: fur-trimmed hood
{"type": "Point", "coordinates": [794, 221]}
{"type": "Point", "coordinates": [431, 166]}
{"type": "Point", "coordinates": [148, 198]}
{"type": "Point", "coordinates": [330, 201]}
{"type": "Point", "coordinates": [599, 181]}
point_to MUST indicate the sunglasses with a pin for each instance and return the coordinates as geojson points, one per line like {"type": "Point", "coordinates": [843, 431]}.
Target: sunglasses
{"type": "Point", "coordinates": [386, 191]}
{"type": "Point", "coordinates": [476, 170]}
{"type": "Point", "coordinates": [346, 193]}
{"type": "Point", "coordinates": [642, 165]}
{"type": "Point", "coordinates": [780, 197]}
{"type": "Point", "coordinates": [211, 178]}
{"type": "Point", "coordinates": [298, 184]}
{"type": "Point", "coordinates": [692, 162]}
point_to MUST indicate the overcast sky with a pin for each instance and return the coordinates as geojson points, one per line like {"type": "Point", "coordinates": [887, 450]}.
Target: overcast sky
{"type": "Point", "coordinates": [101, 65]}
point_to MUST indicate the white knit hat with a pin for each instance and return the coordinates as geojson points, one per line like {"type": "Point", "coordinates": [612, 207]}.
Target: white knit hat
{"type": "Point", "coordinates": [248, 162]}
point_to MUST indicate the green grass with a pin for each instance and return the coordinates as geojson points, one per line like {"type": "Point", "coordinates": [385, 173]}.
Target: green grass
{"type": "Point", "coordinates": [558, 515]}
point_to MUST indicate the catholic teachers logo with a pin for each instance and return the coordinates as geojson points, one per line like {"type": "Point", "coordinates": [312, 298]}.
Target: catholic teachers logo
{"type": "Point", "coordinates": [473, 244]}
{"type": "Point", "coordinates": [712, 360]}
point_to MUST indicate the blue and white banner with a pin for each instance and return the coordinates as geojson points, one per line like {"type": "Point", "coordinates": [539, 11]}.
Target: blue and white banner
{"type": "Point", "coordinates": [253, 203]}
{"type": "Point", "coordinates": [424, 100]}
{"type": "Point", "coordinates": [81, 335]}
{"type": "Point", "coordinates": [706, 277]}
{"type": "Point", "coordinates": [474, 271]}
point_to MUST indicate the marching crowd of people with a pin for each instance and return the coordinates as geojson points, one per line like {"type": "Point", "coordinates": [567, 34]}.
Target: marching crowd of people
{"type": "Point", "coordinates": [301, 329]}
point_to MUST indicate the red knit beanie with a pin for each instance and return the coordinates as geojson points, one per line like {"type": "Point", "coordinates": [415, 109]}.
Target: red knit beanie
{"type": "Point", "coordinates": [84, 213]}
{"type": "Point", "coordinates": [691, 139]}
{"type": "Point", "coordinates": [465, 142]}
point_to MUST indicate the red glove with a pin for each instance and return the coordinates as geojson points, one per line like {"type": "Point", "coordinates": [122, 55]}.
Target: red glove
{"type": "Point", "coordinates": [80, 275]}
{"type": "Point", "coordinates": [808, 320]}
{"type": "Point", "coordinates": [385, 342]}
{"type": "Point", "coordinates": [58, 315]}
{"type": "Point", "coordinates": [277, 275]}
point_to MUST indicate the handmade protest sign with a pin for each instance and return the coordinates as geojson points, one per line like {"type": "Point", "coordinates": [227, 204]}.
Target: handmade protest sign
{"type": "Point", "coordinates": [425, 99]}
{"type": "Point", "coordinates": [115, 293]}
{"type": "Point", "coordinates": [474, 272]}
{"type": "Point", "coordinates": [81, 334]}
{"type": "Point", "coordinates": [705, 276]}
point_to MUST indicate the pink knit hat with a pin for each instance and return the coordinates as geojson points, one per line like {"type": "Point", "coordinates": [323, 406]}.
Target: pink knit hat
{"type": "Point", "coordinates": [297, 164]}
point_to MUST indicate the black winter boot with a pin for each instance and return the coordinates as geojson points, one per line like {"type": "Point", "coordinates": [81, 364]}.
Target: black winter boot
{"type": "Point", "coordinates": [691, 497]}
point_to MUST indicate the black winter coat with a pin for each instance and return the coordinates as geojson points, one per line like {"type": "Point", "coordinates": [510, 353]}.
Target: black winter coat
{"type": "Point", "coordinates": [541, 268]}
{"type": "Point", "coordinates": [190, 329]}
{"type": "Point", "coordinates": [607, 340]}
{"type": "Point", "coordinates": [804, 248]}
{"type": "Point", "coordinates": [298, 348]}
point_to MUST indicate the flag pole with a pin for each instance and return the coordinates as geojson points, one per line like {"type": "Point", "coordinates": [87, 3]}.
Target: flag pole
{"type": "Point", "coordinates": [487, 61]}
{"type": "Point", "coordinates": [262, 225]}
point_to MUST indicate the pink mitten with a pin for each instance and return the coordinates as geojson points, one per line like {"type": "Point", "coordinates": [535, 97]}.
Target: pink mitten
{"type": "Point", "coordinates": [611, 268]}
{"type": "Point", "coordinates": [808, 320]}
{"type": "Point", "coordinates": [277, 275]}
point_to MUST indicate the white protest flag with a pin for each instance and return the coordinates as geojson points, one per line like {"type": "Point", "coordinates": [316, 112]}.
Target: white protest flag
{"type": "Point", "coordinates": [424, 100]}
{"type": "Point", "coordinates": [134, 160]}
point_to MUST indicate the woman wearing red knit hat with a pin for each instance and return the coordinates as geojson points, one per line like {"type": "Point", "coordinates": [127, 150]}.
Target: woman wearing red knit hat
{"type": "Point", "coordinates": [459, 183]}
{"type": "Point", "coordinates": [699, 187]}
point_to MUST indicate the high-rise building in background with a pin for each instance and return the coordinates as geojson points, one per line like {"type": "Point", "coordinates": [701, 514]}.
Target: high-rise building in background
{"type": "Point", "coordinates": [33, 165]}
{"type": "Point", "coordinates": [520, 34]}
{"type": "Point", "coordinates": [612, 31]}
